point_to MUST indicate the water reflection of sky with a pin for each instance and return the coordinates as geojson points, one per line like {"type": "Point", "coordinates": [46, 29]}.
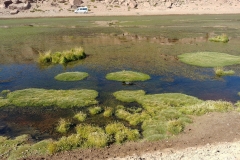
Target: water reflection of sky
{"type": "Point", "coordinates": [16, 76]}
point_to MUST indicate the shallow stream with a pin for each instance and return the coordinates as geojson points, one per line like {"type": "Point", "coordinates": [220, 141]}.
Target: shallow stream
{"type": "Point", "coordinates": [148, 44]}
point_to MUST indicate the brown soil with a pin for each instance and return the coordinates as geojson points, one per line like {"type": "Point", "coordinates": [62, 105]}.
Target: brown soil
{"type": "Point", "coordinates": [207, 129]}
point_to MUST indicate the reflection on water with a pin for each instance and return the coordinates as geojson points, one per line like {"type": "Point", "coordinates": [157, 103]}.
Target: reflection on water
{"type": "Point", "coordinates": [155, 55]}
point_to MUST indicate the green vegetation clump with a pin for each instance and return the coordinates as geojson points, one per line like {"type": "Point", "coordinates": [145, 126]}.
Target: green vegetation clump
{"type": "Point", "coordinates": [207, 106]}
{"type": "Point", "coordinates": [4, 102]}
{"type": "Point", "coordinates": [160, 117]}
{"type": "Point", "coordinates": [92, 136]}
{"type": "Point", "coordinates": [127, 76]}
{"type": "Point", "coordinates": [221, 38]}
{"type": "Point", "coordinates": [121, 133]}
{"type": "Point", "coordinates": [62, 57]}
{"type": "Point", "coordinates": [43, 97]}
{"type": "Point", "coordinates": [95, 110]}
{"type": "Point", "coordinates": [219, 71]}
{"type": "Point", "coordinates": [128, 96]}
{"type": "Point", "coordinates": [108, 112]}
{"type": "Point", "coordinates": [63, 126]}
{"type": "Point", "coordinates": [71, 76]}
{"type": "Point", "coordinates": [209, 59]}
{"type": "Point", "coordinates": [65, 143]}
{"type": "Point", "coordinates": [167, 100]}
{"type": "Point", "coordinates": [19, 148]}
{"type": "Point", "coordinates": [80, 116]}
{"type": "Point", "coordinates": [87, 136]}
{"type": "Point", "coordinates": [28, 150]}
{"type": "Point", "coordinates": [133, 119]}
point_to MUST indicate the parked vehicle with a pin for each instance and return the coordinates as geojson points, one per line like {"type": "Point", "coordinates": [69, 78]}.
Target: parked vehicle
{"type": "Point", "coordinates": [81, 10]}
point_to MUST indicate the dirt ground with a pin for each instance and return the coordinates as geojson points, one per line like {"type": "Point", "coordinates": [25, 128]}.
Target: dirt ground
{"type": "Point", "coordinates": [208, 129]}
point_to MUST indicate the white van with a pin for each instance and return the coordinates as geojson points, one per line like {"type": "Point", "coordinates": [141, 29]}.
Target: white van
{"type": "Point", "coordinates": [81, 10]}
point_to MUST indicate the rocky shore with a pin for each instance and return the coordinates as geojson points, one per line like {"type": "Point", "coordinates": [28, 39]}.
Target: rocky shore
{"type": "Point", "coordinates": [62, 8]}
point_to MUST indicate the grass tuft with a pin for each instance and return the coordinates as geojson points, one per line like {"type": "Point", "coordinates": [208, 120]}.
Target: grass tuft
{"type": "Point", "coordinates": [175, 126]}
{"type": "Point", "coordinates": [108, 112]}
{"type": "Point", "coordinates": [71, 76]}
{"type": "Point", "coordinates": [95, 110]}
{"type": "Point", "coordinates": [121, 133]}
{"type": "Point", "coordinates": [63, 126]}
{"type": "Point", "coordinates": [62, 57]}
{"type": "Point", "coordinates": [221, 38]}
{"type": "Point", "coordinates": [207, 106]}
{"type": "Point", "coordinates": [219, 71]}
{"type": "Point", "coordinates": [80, 116]}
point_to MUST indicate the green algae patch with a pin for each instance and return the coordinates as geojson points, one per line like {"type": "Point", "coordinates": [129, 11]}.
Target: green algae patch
{"type": "Point", "coordinates": [62, 57]}
{"type": "Point", "coordinates": [71, 76]}
{"type": "Point", "coordinates": [61, 98]}
{"type": "Point", "coordinates": [209, 59]}
{"type": "Point", "coordinates": [220, 38]}
{"type": "Point", "coordinates": [127, 76]}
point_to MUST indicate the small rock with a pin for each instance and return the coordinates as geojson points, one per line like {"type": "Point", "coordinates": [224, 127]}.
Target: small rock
{"type": "Point", "coordinates": [15, 11]}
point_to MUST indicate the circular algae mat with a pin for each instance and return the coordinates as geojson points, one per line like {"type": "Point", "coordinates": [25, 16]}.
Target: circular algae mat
{"type": "Point", "coordinates": [209, 59]}
{"type": "Point", "coordinates": [127, 76]}
{"type": "Point", "coordinates": [71, 76]}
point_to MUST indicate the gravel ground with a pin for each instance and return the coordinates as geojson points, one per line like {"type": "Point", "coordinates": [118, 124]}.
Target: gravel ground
{"type": "Point", "coordinates": [220, 151]}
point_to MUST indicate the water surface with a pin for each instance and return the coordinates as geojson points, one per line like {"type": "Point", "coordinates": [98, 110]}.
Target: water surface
{"type": "Point", "coordinates": [148, 44]}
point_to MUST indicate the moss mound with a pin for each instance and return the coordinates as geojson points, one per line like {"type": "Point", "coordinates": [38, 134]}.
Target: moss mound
{"type": "Point", "coordinates": [71, 76]}
{"type": "Point", "coordinates": [127, 76]}
{"type": "Point", "coordinates": [62, 57]}
{"type": "Point", "coordinates": [128, 96]}
{"type": "Point", "coordinates": [43, 97]}
{"type": "Point", "coordinates": [209, 59]}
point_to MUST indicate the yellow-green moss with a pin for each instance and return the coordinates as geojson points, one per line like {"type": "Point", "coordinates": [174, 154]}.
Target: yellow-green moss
{"type": "Point", "coordinates": [63, 126]}
{"type": "Point", "coordinates": [220, 38]}
{"type": "Point", "coordinates": [80, 116]}
{"type": "Point", "coordinates": [127, 76]}
{"type": "Point", "coordinates": [128, 95]}
{"type": "Point", "coordinates": [95, 110]}
{"type": "Point", "coordinates": [43, 97]}
{"type": "Point", "coordinates": [219, 71]}
{"type": "Point", "coordinates": [62, 57]}
{"type": "Point", "coordinates": [207, 106]}
{"type": "Point", "coordinates": [209, 59]}
{"type": "Point", "coordinates": [71, 76]}
{"type": "Point", "coordinates": [108, 111]}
